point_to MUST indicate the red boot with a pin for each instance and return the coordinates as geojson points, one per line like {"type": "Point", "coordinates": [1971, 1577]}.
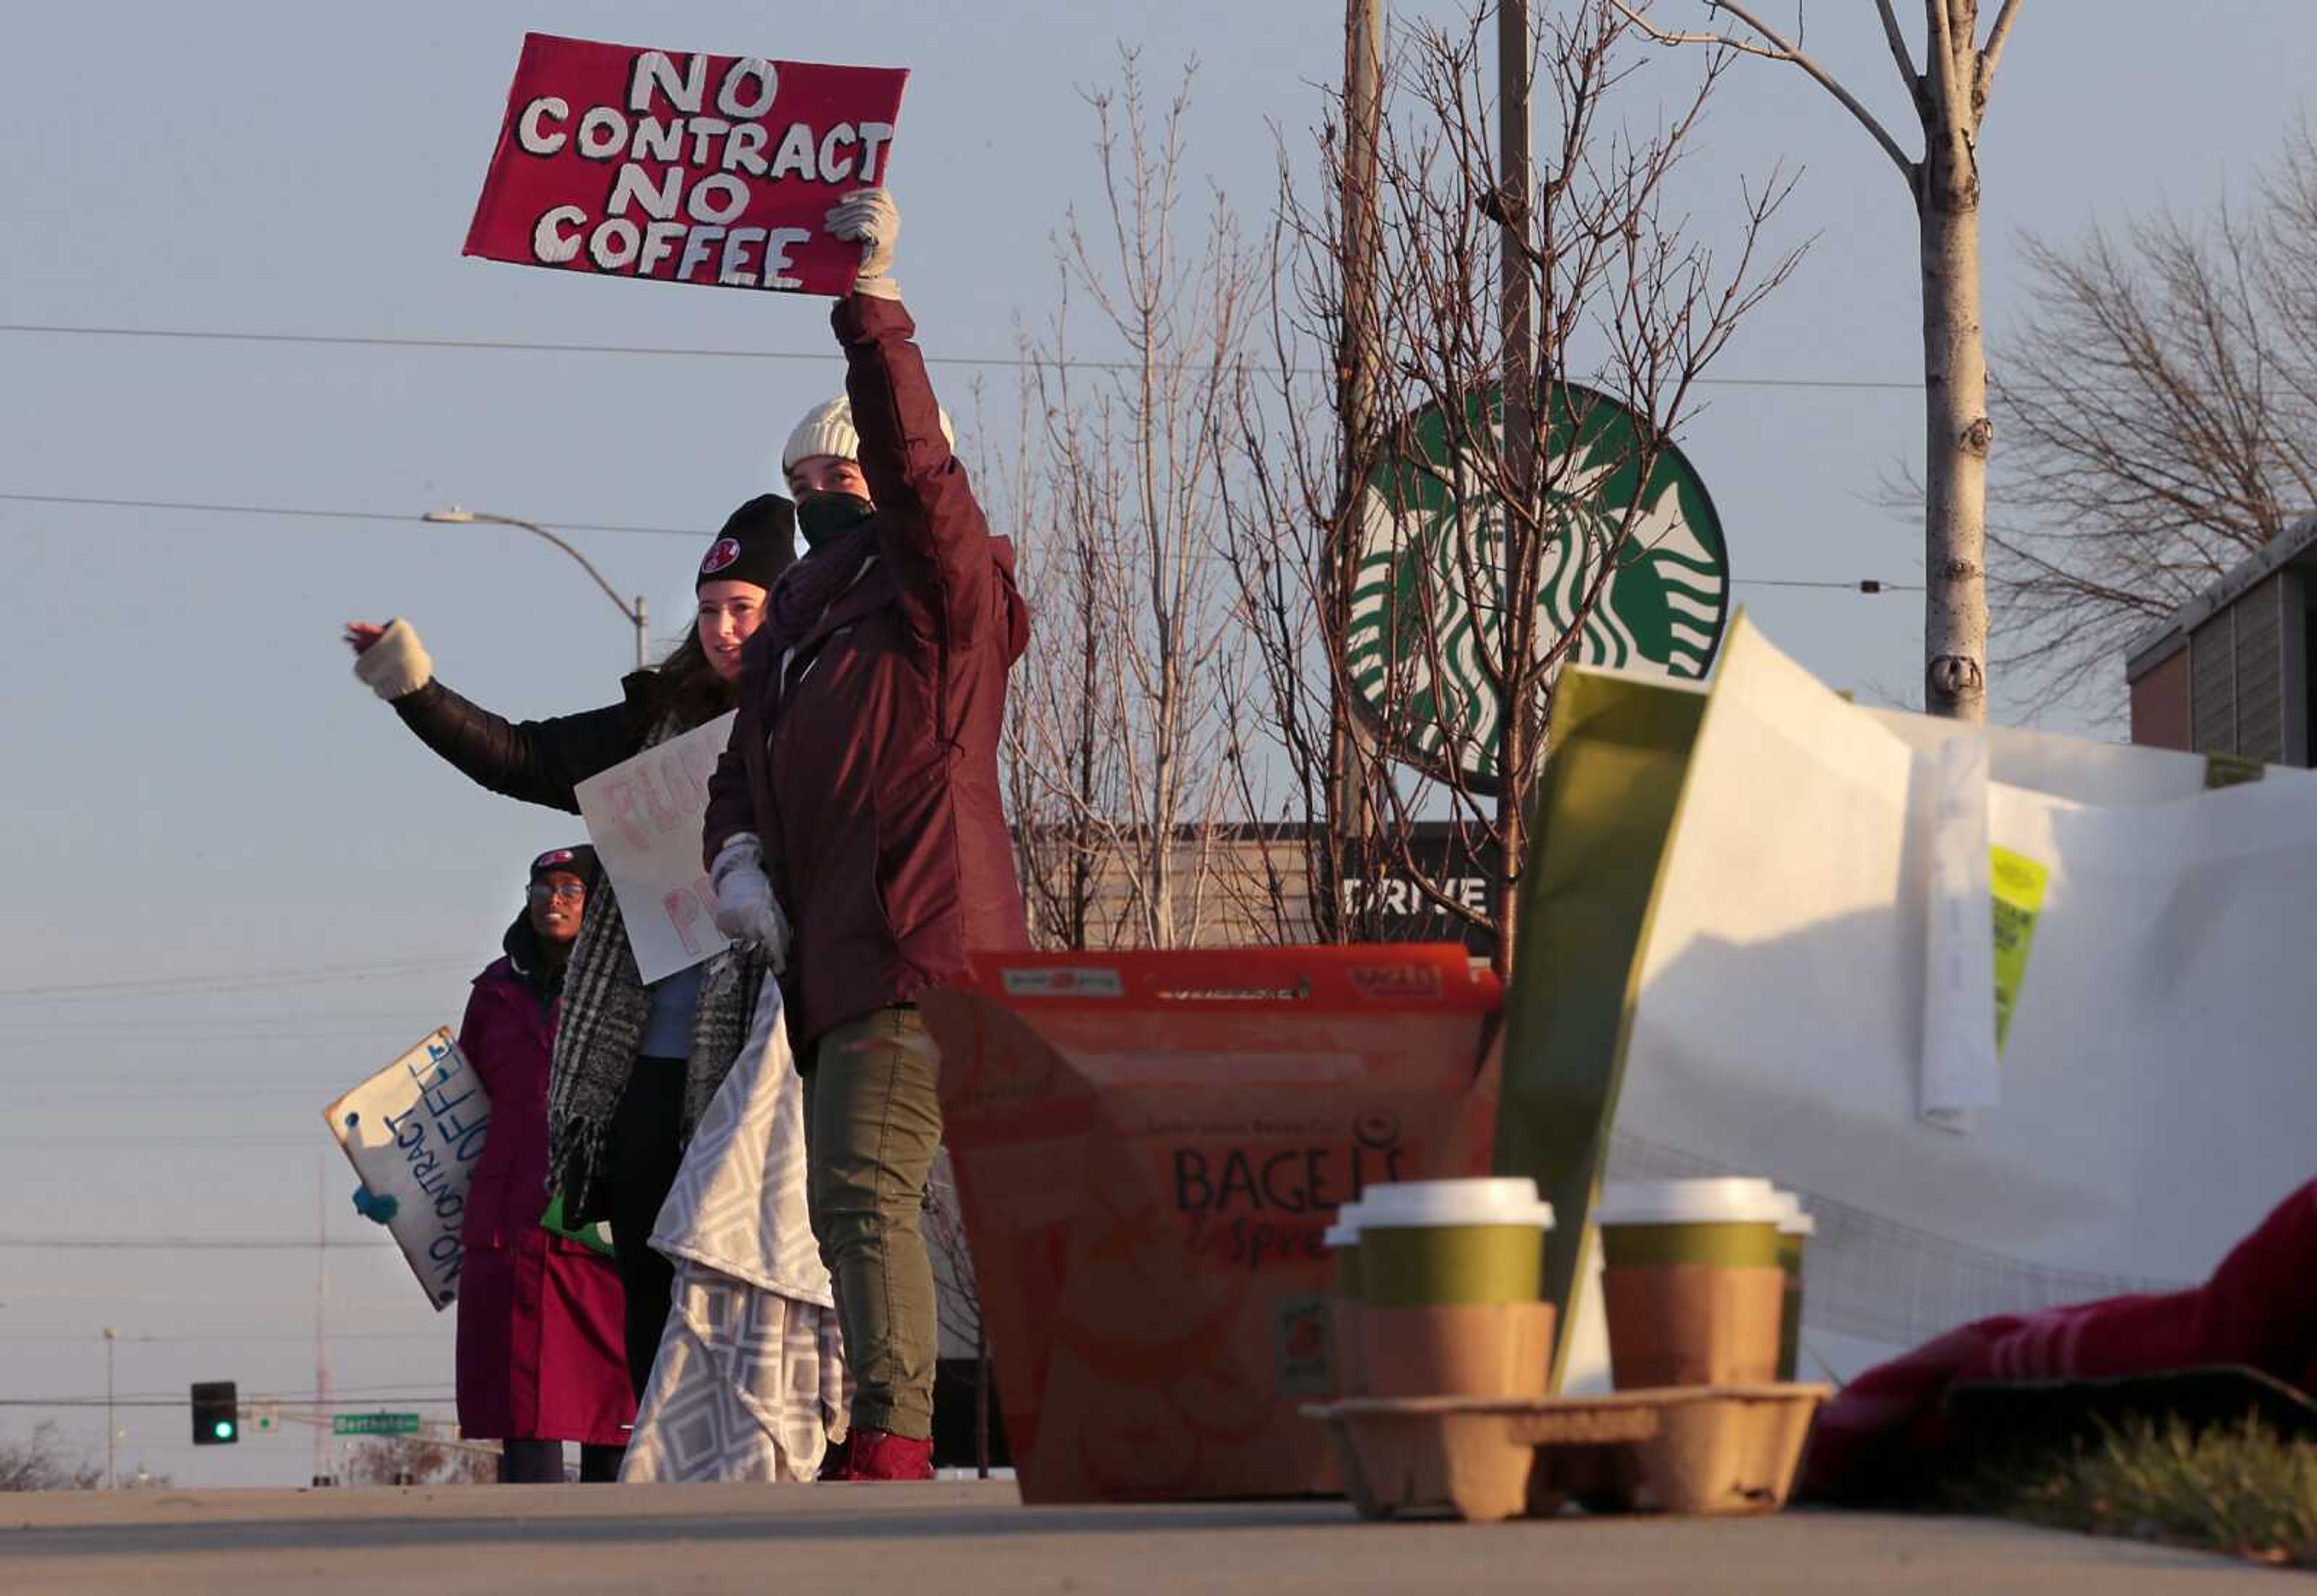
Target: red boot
{"type": "Point", "coordinates": [881, 1455]}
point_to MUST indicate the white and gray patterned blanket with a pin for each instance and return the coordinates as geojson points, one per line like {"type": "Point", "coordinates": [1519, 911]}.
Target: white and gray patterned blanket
{"type": "Point", "coordinates": [749, 1383]}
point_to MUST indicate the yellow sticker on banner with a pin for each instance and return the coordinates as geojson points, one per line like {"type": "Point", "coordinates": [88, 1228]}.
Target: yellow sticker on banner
{"type": "Point", "coordinates": [2019, 882]}
{"type": "Point", "coordinates": [2232, 770]}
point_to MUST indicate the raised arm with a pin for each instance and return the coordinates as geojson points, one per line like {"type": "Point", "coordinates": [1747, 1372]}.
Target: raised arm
{"type": "Point", "coordinates": [932, 532]}
{"type": "Point", "coordinates": [538, 762]}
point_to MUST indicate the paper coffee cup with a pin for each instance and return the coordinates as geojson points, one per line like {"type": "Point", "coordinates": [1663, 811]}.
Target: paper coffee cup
{"type": "Point", "coordinates": [1692, 1281]}
{"type": "Point", "coordinates": [1448, 1243]}
{"type": "Point", "coordinates": [1449, 1278]}
{"type": "Point", "coordinates": [1795, 1232]}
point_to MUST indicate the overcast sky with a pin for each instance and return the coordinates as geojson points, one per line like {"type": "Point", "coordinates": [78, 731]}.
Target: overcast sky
{"type": "Point", "coordinates": [210, 824]}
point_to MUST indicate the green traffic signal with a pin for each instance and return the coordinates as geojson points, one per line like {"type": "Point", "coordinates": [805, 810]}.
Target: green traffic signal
{"type": "Point", "coordinates": [216, 1414]}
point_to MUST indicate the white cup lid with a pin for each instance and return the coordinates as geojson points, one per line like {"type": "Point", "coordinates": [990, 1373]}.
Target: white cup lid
{"type": "Point", "coordinates": [1432, 1203]}
{"type": "Point", "coordinates": [1795, 1221]}
{"type": "Point", "coordinates": [1726, 1200]}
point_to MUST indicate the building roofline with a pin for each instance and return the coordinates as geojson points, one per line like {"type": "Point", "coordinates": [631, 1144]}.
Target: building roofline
{"type": "Point", "coordinates": [2163, 639]}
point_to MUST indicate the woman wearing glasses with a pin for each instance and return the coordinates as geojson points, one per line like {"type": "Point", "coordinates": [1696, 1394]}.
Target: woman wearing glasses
{"type": "Point", "coordinates": [542, 1358]}
{"type": "Point", "coordinates": [635, 1065]}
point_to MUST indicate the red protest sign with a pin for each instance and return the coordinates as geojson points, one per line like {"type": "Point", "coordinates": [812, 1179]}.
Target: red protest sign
{"type": "Point", "coordinates": [686, 168]}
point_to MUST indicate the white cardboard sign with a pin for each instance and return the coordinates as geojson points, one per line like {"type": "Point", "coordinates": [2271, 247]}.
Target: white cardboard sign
{"type": "Point", "coordinates": [413, 1133]}
{"type": "Point", "coordinates": [645, 816]}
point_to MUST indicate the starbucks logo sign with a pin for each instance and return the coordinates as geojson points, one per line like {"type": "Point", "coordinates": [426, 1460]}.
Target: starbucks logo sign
{"type": "Point", "coordinates": [1428, 603]}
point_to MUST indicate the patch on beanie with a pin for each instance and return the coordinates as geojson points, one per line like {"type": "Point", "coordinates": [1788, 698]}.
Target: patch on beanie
{"type": "Point", "coordinates": [552, 858]}
{"type": "Point", "coordinates": [720, 556]}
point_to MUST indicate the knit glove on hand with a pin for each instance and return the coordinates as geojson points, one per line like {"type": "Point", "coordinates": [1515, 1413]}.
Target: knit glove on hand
{"type": "Point", "coordinates": [746, 910]}
{"type": "Point", "coordinates": [396, 664]}
{"type": "Point", "coordinates": [870, 215]}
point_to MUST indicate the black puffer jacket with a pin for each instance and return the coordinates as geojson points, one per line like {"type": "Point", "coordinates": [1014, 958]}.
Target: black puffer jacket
{"type": "Point", "coordinates": [539, 762]}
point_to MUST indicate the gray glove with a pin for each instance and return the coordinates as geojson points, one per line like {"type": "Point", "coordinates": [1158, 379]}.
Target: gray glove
{"type": "Point", "coordinates": [870, 215]}
{"type": "Point", "coordinates": [745, 909]}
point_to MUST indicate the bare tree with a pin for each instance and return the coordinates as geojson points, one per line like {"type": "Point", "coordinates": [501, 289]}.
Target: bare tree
{"type": "Point", "coordinates": [2161, 399]}
{"type": "Point", "coordinates": [1491, 519]}
{"type": "Point", "coordinates": [1117, 746]}
{"type": "Point", "coordinates": [40, 1462]}
{"type": "Point", "coordinates": [420, 1460]}
{"type": "Point", "coordinates": [1949, 95]}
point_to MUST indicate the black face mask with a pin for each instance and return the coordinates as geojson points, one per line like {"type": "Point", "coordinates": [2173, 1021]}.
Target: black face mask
{"type": "Point", "coordinates": [822, 517]}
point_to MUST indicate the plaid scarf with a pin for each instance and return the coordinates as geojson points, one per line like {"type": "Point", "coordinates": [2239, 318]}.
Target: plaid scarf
{"type": "Point", "coordinates": [605, 1009]}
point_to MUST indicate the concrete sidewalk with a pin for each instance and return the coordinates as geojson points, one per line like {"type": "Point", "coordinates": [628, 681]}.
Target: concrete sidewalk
{"type": "Point", "coordinates": [936, 1539]}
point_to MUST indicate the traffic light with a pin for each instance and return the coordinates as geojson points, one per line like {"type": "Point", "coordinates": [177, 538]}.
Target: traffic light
{"type": "Point", "coordinates": [216, 1414]}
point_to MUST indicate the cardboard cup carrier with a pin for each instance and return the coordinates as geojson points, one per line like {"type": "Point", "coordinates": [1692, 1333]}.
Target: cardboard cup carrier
{"type": "Point", "coordinates": [1448, 1275]}
{"type": "Point", "coordinates": [1692, 1282]}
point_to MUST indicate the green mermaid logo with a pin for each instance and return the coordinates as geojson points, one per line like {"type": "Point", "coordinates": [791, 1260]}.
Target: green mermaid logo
{"type": "Point", "coordinates": [1425, 624]}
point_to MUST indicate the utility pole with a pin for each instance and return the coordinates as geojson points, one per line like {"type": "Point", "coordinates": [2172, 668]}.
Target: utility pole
{"type": "Point", "coordinates": [323, 1473]}
{"type": "Point", "coordinates": [1348, 744]}
{"type": "Point", "coordinates": [110, 1339]}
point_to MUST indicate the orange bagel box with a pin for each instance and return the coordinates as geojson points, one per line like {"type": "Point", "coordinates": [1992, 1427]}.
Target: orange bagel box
{"type": "Point", "coordinates": [1148, 1146]}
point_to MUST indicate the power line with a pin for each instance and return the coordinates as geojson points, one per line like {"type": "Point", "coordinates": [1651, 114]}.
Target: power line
{"type": "Point", "coordinates": [76, 1141]}
{"type": "Point", "coordinates": [1868, 587]}
{"type": "Point", "coordinates": [678, 352]}
{"type": "Point", "coordinates": [163, 1032]}
{"type": "Point", "coordinates": [305, 513]}
{"type": "Point", "coordinates": [371, 1399]}
{"type": "Point", "coordinates": [190, 1243]}
{"type": "Point", "coordinates": [95, 1337]}
{"type": "Point", "coordinates": [172, 986]}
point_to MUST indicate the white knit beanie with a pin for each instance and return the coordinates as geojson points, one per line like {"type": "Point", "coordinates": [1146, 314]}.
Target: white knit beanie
{"type": "Point", "coordinates": [827, 429]}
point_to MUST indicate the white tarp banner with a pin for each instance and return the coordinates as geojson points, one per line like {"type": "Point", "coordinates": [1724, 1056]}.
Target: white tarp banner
{"type": "Point", "coordinates": [1802, 996]}
{"type": "Point", "coordinates": [413, 1131]}
{"type": "Point", "coordinates": [645, 816]}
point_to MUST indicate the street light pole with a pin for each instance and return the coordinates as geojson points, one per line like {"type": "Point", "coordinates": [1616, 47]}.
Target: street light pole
{"type": "Point", "coordinates": [635, 613]}
{"type": "Point", "coordinates": [108, 1339]}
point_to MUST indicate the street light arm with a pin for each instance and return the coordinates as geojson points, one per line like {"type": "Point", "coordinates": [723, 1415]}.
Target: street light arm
{"type": "Point", "coordinates": [610, 592]}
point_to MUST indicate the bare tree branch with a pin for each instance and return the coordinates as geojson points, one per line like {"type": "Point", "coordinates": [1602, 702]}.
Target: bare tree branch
{"type": "Point", "coordinates": [1776, 49]}
{"type": "Point", "coordinates": [1945, 53]}
{"type": "Point", "coordinates": [1999, 35]}
{"type": "Point", "coordinates": [1497, 574]}
{"type": "Point", "coordinates": [1896, 37]}
{"type": "Point", "coordinates": [2162, 399]}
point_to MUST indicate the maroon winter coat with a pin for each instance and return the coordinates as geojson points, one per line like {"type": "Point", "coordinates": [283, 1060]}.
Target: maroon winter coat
{"type": "Point", "coordinates": [541, 1353]}
{"type": "Point", "coordinates": [871, 774]}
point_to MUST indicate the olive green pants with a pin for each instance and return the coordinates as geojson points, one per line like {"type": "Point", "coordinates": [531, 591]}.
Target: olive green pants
{"type": "Point", "coordinates": [872, 1126]}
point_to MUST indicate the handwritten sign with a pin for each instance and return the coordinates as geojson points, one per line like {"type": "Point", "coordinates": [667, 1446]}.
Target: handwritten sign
{"type": "Point", "coordinates": [413, 1131]}
{"type": "Point", "coordinates": [645, 816]}
{"type": "Point", "coordinates": [687, 169]}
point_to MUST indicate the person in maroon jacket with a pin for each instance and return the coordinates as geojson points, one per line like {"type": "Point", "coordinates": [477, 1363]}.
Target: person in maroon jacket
{"type": "Point", "coordinates": [541, 1358]}
{"type": "Point", "coordinates": [540, 1352]}
{"type": "Point", "coordinates": [861, 786]}
{"type": "Point", "coordinates": [635, 1064]}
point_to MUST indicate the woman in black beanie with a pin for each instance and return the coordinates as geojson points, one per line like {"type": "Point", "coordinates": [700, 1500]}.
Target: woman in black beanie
{"type": "Point", "coordinates": [635, 1065]}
